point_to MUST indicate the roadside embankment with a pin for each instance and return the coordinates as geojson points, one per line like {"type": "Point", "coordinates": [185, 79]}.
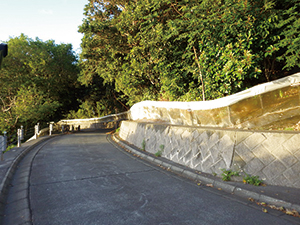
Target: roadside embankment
{"type": "Point", "coordinates": [273, 156]}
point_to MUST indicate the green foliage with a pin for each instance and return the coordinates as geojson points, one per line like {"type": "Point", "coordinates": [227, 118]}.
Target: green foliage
{"type": "Point", "coordinates": [144, 145]}
{"type": "Point", "coordinates": [159, 153]}
{"type": "Point", "coordinates": [253, 180]}
{"type": "Point", "coordinates": [290, 41]}
{"type": "Point", "coordinates": [38, 82]}
{"type": "Point", "coordinates": [101, 57]}
{"type": "Point", "coordinates": [98, 100]}
{"type": "Point", "coordinates": [150, 50]}
{"type": "Point", "coordinates": [118, 129]}
{"type": "Point", "coordinates": [162, 147]}
{"type": "Point", "coordinates": [32, 105]}
{"type": "Point", "coordinates": [9, 148]}
{"type": "Point", "coordinates": [227, 174]}
{"type": "Point", "coordinates": [187, 50]}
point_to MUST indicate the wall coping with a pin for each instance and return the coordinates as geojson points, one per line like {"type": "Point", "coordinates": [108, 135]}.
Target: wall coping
{"type": "Point", "coordinates": [104, 118]}
{"type": "Point", "coordinates": [137, 109]}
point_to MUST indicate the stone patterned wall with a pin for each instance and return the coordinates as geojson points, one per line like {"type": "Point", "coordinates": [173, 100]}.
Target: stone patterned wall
{"type": "Point", "coordinates": [273, 156]}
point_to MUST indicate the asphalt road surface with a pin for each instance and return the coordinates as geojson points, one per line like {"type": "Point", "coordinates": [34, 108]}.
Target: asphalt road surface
{"type": "Point", "coordinates": [83, 178]}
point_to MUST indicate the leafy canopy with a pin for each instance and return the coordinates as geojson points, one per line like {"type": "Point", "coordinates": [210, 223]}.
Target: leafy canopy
{"type": "Point", "coordinates": [187, 50]}
{"type": "Point", "coordinates": [37, 82]}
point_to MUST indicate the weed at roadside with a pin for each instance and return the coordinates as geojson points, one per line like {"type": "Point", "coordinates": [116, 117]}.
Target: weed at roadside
{"type": "Point", "coordinates": [227, 174]}
{"type": "Point", "coordinates": [254, 180]}
{"type": "Point", "coordinates": [159, 153]}
{"type": "Point", "coordinates": [144, 145]}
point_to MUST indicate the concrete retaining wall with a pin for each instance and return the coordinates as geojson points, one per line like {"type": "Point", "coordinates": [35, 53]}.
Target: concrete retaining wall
{"type": "Point", "coordinates": [273, 156]}
{"type": "Point", "coordinates": [255, 107]}
{"type": "Point", "coordinates": [109, 121]}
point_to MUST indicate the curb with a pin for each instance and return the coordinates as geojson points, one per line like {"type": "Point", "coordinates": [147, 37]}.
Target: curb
{"type": "Point", "coordinates": [4, 186]}
{"type": "Point", "coordinates": [191, 174]}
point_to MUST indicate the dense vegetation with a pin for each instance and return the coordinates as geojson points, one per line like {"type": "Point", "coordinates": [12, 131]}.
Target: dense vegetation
{"type": "Point", "coordinates": [188, 49]}
{"type": "Point", "coordinates": [136, 50]}
{"type": "Point", "coordinates": [38, 82]}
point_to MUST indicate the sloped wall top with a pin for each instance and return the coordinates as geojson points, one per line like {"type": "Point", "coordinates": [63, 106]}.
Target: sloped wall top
{"type": "Point", "coordinates": [192, 113]}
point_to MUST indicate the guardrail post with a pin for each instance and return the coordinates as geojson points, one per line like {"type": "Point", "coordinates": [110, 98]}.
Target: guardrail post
{"type": "Point", "coordinates": [36, 130]}
{"type": "Point", "coordinates": [19, 138]}
{"type": "Point", "coordinates": [3, 145]}
{"type": "Point", "coordinates": [50, 128]}
{"type": "Point", "coordinates": [22, 133]}
{"type": "Point", "coordinates": [5, 141]}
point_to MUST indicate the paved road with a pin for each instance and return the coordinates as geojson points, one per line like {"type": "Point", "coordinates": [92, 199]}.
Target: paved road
{"type": "Point", "coordinates": [83, 178]}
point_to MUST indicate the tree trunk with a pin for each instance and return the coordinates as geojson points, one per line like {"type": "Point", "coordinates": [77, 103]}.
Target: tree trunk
{"type": "Point", "coordinates": [201, 77]}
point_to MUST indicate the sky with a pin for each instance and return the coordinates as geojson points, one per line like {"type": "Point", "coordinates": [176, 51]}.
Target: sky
{"type": "Point", "coordinates": [56, 20]}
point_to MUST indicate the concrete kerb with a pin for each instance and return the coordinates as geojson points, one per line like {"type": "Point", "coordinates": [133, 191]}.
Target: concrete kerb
{"type": "Point", "coordinates": [4, 186]}
{"type": "Point", "coordinates": [227, 187]}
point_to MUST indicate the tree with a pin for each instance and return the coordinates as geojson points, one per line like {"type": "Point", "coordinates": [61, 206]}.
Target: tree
{"type": "Point", "coordinates": [102, 56]}
{"type": "Point", "coordinates": [188, 50]}
{"type": "Point", "coordinates": [38, 82]}
{"type": "Point", "coordinates": [290, 34]}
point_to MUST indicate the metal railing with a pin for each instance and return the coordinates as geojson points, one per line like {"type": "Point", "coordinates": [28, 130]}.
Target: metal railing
{"type": "Point", "coordinates": [23, 135]}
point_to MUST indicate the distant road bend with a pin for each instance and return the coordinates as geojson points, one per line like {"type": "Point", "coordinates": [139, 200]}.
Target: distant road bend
{"type": "Point", "coordinates": [84, 178]}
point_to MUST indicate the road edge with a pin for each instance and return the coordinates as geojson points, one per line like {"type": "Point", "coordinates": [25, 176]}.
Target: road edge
{"type": "Point", "coordinates": [192, 174]}
{"type": "Point", "coordinates": [4, 186]}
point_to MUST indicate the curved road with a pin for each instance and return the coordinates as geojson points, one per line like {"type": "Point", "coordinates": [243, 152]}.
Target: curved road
{"type": "Point", "coordinates": [83, 178]}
